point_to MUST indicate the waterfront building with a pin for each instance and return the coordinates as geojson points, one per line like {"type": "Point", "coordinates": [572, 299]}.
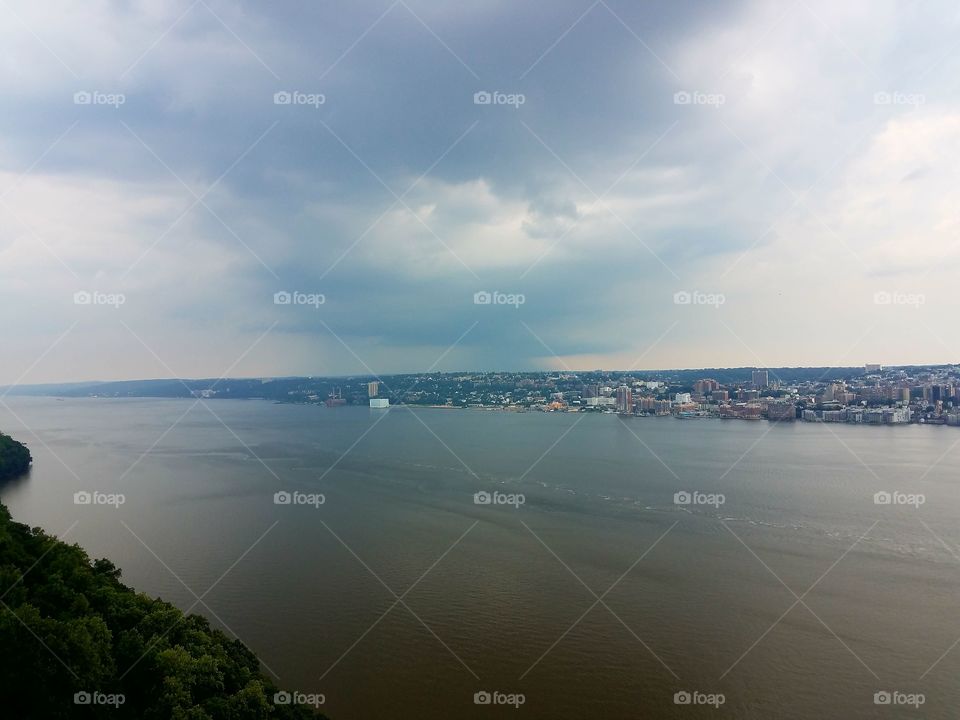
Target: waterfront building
{"type": "Point", "coordinates": [779, 411]}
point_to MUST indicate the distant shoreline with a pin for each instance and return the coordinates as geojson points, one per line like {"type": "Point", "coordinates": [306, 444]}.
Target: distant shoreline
{"type": "Point", "coordinates": [493, 408]}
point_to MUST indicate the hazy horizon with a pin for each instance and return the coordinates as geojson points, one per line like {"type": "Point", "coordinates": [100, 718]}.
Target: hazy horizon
{"type": "Point", "coordinates": [455, 371]}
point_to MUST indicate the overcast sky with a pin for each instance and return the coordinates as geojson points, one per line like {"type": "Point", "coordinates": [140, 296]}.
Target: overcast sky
{"type": "Point", "coordinates": [652, 185]}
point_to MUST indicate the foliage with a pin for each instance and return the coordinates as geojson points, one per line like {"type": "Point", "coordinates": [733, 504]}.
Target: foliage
{"type": "Point", "coordinates": [68, 625]}
{"type": "Point", "coordinates": [14, 458]}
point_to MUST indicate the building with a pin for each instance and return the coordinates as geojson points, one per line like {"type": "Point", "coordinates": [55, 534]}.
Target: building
{"type": "Point", "coordinates": [872, 367]}
{"type": "Point", "coordinates": [761, 378]}
{"type": "Point", "coordinates": [373, 389]}
{"type": "Point", "coordinates": [705, 386]}
{"type": "Point", "coordinates": [662, 407]}
{"type": "Point", "coordinates": [896, 416]}
{"type": "Point", "coordinates": [379, 403]}
{"type": "Point", "coordinates": [682, 398]}
{"type": "Point", "coordinates": [624, 400]}
{"type": "Point", "coordinates": [781, 411]}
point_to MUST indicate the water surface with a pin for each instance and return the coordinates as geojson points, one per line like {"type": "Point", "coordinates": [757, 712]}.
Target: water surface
{"type": "Point", "coordinates": [500, 598]}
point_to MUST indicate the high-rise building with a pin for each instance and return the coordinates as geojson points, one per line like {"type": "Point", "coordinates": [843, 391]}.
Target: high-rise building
{"type": "Point", "coordinates": [373, 389]}
{"type": "Point", "coordinates": [624, 400]}
{"type": "Point", "coordinates": [707, 385]}
{"type": "Point", "coordinates": [682, 398]}
{"type": "Point", "coordinates": [761, 378]}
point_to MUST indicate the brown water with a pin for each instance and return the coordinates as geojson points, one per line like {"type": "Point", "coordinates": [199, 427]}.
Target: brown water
{"type": "Point", "coordinates": [503, 608]}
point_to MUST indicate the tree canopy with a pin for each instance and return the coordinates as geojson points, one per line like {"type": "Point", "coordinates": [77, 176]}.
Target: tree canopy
{"type": "Point", "coordinates": [14, 458]}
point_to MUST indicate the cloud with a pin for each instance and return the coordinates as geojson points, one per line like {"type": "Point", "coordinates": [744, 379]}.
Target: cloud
{"type": "Point", "coordinates": [822, 174]}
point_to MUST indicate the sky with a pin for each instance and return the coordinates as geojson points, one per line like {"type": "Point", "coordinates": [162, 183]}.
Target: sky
{"type": "Point", "coordinates": [213, 188]}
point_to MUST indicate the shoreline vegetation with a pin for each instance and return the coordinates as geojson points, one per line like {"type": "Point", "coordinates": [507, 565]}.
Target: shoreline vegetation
{"type": "Point", "coordinates": [15, 458]}
{"type": "Point", "coordinates": [78, 643]}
